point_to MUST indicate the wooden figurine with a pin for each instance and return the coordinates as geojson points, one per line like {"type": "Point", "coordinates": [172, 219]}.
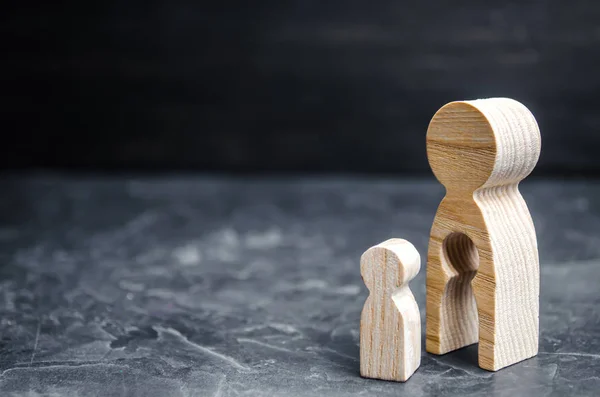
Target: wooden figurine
{"type": "Point", "coordinates": [483, 275]}
{"type": "Point", "coordinates": [390, 324]}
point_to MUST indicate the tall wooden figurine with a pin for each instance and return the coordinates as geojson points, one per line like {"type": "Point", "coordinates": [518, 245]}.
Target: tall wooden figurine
{"type": "Point", "coordinates": [483, 275]}
{"type": "Point", "coordinates": [390, 324]}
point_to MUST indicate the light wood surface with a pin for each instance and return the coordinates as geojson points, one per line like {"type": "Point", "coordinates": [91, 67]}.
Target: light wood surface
{"type": "Point", "coordinates": [482, 265]}
{"type": "Point", "coordinates": [390, 325]}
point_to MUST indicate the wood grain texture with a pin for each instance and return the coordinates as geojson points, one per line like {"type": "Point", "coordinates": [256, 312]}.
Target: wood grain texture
{"type": "Point", "coordinates": [483, 266]}
{"type": "Point", "coordinates": [390, 325]}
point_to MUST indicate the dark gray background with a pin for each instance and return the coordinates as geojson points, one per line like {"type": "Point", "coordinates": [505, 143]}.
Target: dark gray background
{"type": "Point", "coordinates": [282, 85]}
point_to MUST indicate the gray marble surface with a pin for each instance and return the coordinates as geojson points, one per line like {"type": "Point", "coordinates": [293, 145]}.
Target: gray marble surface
{"type": "Point", "coordinates": [198, 286]}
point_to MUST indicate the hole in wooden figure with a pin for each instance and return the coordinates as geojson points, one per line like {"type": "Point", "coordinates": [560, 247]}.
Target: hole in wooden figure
{"type": "Point", "coordinates": [460, 256]}
{"type": "Point", "coordinates": [460, 253]}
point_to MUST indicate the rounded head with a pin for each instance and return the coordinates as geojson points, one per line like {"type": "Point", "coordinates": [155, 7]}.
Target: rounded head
{"type": "Point", "coordinates": [390, 264]}
{"type": "Point", "coordinates": [482, 143]}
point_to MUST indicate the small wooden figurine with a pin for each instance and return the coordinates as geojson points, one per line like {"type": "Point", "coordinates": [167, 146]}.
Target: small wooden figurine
{"type": "Point", "coordinates": [483, 274]}
{"type": "Point", "coordinates": [390, 324]}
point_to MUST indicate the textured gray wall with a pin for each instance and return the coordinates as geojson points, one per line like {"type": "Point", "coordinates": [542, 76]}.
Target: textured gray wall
{"type": "Point", "coordinates": [341, 85]}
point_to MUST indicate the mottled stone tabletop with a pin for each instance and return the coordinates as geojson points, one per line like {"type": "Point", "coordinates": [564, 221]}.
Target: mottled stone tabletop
{"type": "Point", "coordinates": [208, 286]}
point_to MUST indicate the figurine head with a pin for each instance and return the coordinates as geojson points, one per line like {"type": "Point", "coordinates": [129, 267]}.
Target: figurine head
{"type": "Point", "coordinates": [390, 265]}
{"type": "Point", "coordinates": [482, 143]}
